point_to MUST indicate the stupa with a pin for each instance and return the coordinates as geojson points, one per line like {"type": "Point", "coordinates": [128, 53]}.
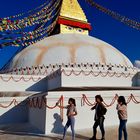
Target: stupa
{"type": "Point", "coordinates": [69, 63]}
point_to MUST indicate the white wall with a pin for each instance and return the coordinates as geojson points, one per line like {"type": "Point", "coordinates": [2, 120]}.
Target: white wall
{"type": "Point", "coordinates": [22, 83]}
{"type": "Point", "coordinates": [37, 118]}
{"type": "Point", "coordinates": [85, 117]}
{"type": "Point", "coordinates": [54, 80]}
{"type": "Point", "coordinates": [81, 80]}
{"type": "Point", "coordinates": [63, 78]}
{"type": "Point", "coordinates": [13, 113]}
{"type": "Point", "coordinates": [48, 120]}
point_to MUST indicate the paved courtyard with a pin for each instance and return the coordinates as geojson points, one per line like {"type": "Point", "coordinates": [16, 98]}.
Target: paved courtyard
{"type": "Point", "coordinates": [111, 134]}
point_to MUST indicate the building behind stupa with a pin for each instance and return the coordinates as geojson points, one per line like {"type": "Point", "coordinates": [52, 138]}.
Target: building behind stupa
{"type": "Point", "coordinates": [69, 63]}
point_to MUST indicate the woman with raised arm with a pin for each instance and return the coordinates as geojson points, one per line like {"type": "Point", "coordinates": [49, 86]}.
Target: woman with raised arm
{"type": "Point", "coordinates": [71, 112]}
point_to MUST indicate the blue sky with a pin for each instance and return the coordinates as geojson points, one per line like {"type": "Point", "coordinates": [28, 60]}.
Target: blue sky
{"type": "Point", "coordinates": [121, 36]}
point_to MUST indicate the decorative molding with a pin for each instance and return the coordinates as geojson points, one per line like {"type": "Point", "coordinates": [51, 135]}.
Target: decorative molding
{"type": "Point", "coordinates": [45, 70]}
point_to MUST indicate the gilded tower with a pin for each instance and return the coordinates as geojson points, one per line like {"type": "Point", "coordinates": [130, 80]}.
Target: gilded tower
{"type": "Point", "coordinates": [72, 19]}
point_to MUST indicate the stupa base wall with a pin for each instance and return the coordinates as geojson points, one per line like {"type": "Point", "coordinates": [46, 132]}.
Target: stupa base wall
{"type": "Point", "coordinates": [68, 77]}
{"type": "Point", "coordinates": [47, 118]}
{"type": "Point", "coordinates": [50, 120]}
{"type": "Point", "coordinates": [13, 110]}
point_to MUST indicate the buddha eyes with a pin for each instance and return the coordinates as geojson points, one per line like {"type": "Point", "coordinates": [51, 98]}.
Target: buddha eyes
{"type": "Point", "coordinates": [72, 28]}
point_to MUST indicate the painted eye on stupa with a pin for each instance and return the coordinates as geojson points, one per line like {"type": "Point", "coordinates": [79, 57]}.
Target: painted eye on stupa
{"type": "Point", "coordinates": [70, 28]}
{"type": "Point", "coordinates": [80, 30]}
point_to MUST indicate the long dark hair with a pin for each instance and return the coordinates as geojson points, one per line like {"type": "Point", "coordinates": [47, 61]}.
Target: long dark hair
{"type": "Point", "coordinates": [122, 100]}
{"type": "Point", "coordinates": [73, 101]}
{"type": "Point", "coordinates": [99, 97]}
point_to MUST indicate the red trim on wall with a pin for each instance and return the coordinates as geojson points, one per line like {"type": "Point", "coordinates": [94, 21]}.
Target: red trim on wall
{"type": "Point", "coordinates": [74, 23]}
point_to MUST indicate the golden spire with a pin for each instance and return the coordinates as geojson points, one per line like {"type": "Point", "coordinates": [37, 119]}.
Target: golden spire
{"type": "Point", "coordinates": [72, 19]}
{"type": "Point", "coordinates": [72, 9]}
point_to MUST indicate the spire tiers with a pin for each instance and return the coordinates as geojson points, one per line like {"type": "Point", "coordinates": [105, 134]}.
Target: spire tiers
{"type": "Point", "coordinates": [72, 19]}
{"type": "Point", "coordinates": [72, 9]}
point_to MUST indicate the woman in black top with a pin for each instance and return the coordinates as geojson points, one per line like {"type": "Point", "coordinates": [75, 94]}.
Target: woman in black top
{"type": "Point", "coordinates": [100, 111]}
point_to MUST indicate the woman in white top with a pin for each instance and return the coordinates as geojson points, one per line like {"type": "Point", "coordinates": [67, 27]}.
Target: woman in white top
{"type": "Point", "coordinates": [71, 112]}
{"type": "Point", "coordinates": [122, 114]}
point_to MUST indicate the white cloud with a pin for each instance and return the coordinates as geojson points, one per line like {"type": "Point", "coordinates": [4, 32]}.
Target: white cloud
{"type": "Point", "coordinates": [137, 63]}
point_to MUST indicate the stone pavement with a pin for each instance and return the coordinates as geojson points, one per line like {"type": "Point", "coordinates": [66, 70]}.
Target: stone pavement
{"type": "Point", "coordinates": [111, 134]}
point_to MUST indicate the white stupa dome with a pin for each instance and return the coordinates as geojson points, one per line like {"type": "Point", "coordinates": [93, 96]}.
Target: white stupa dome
{"type": "Point", "coordinates": [69, 48]}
